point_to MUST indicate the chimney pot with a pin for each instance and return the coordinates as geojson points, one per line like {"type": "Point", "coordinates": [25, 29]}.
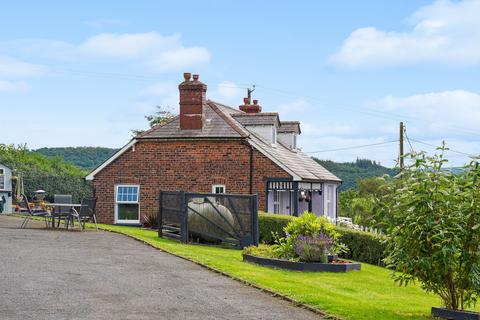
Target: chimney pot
{"type": "Point", "coordinates": [187, 76]}
{"type": "Point", "coordinates": [255, 102]}
{"type": "Point", "coordinates": [245, 101]}
{"type": "Point", "coordinates": [195, 77]}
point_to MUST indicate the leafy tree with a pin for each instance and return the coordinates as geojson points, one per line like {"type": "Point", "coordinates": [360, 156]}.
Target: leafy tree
{"type": "Point", "coordinates": [40, 172]}
{"type": "Point", "coordinates": [161, 116]}
{"type": "Point", "coordinates": [434, 228]}
{"type": "Point", "coordinates": [359, 203]}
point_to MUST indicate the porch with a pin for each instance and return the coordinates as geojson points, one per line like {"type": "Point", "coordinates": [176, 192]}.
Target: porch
{"type": "Point", "coordinates": [295, 197]}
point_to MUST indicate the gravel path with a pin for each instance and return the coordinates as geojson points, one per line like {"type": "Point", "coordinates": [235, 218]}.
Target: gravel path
{"type": "Point", "coordinates": [55, 274]}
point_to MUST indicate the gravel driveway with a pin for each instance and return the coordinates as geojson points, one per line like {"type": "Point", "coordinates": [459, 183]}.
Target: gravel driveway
{"type": "Point", "coordinates": [55, 274]}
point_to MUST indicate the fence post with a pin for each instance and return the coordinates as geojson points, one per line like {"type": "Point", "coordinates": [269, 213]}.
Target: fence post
{"type": "Point", "coordinates": [184, 224]}
{"type": "Point", "coordinates": [159, 216]}
{"type": "Point", "coordinates": [254, 206]}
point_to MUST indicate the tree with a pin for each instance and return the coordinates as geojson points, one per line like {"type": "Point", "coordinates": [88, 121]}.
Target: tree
{"type": "Point", "coordinates": [434, 229]}
{"type": "Point", "coordinates": [161, 116]}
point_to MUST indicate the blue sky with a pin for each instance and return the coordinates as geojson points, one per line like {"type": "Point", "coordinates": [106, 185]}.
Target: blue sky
{"type": "Point", "coordinates": [85, 73]}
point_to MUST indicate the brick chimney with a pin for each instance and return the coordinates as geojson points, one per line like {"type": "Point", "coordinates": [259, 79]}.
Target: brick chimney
{"type": "Point", "coordinates": [250, 108]}
{"type": "Point", "coordinates": [192, 98]}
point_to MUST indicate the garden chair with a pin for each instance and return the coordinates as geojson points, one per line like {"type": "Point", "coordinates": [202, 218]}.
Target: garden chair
{"type": "Point", "coordinates": [85, 213]}
{"type": "Point", "coordinates": [30, 213]}
{"type": "Point", "coordinates": [61, 213]}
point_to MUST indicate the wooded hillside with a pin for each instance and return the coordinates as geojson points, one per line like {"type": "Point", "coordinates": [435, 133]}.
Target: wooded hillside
{"type": "Point", "coordinates": [87, 158]}
{"type": "Point", "coordinates": [350, 172]}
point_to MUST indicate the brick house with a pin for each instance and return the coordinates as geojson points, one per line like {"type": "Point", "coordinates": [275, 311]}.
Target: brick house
{"type": "Point", "coordinates": [210, 147]}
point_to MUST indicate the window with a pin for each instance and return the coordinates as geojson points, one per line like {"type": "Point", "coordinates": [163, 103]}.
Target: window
{"type": "Point", "coordinates": [127, 204]}
{"type": "Point", "coordinates": [218, 188]}
{"type": "Point", "coordinates": [274, 135]}
{"type": "Point", "coordinates": [2, 179]}
{"type": "Point", "coordinates": [294, 143]}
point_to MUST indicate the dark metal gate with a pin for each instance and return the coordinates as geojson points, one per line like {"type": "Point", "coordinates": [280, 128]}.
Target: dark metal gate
{"type": "Point", "coordinates": [225, 219]}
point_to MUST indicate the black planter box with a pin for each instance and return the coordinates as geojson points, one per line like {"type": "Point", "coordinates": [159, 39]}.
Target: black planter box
{"type": "Point", "coordinates": [302, 266]}
{"type": "Point", "coordinates": [454, 315]}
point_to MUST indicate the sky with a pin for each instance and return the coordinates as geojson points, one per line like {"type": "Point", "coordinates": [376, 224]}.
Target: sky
{"type": "Point", "coordinates": [83, 73]}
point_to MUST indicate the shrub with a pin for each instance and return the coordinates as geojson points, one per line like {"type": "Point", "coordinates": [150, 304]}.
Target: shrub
{"type": "Point", "coordinates": [434, 232]}
{"type": "Point", "coordinates": [262, 250]}
{"type": "Point", "coordinates": [363, 246]}
{"type": "Point", "coordinates": [270, 224]}
{"type": "Point", "coordinates": [307, 239]}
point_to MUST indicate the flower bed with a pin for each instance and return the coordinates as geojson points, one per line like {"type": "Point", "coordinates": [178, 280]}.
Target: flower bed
{"type": "Point", "coordinates": [335, 266]}
{"type": "Point", "coordinates": [311, 243]}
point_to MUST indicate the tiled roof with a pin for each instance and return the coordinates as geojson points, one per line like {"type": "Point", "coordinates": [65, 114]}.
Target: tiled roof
{"type": "Point", "coordinates": [222, 121]}
{"type": "Point", "coordinates": [289, 126]}
{"type": "Point", "coordinates": [296, 161]}
{"type": "Point", "coordinates": [262, 118]}
{"type": "Point", "coordinates": [215, 127]}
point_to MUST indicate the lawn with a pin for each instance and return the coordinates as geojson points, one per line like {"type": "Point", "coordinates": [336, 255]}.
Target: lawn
{"type": "Point", "coordinates": [368, 294]}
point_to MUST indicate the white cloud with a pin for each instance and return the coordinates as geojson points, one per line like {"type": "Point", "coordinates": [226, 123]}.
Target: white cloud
{"type": "Point", "coordinates": [150, 50]}
{"type": "Point", "coordinates": [13, 86]}
{"type": "Point", "coordinates": [444, 31]}
{"type": "Point", "coordinates": [128, 45]}
{"type": "Point", "coordinates": [10, 67]}
{"type": "Point", "coordinates": [155, 51]}
{"type": "Point", "coordinates": [178, 58]}
{"type": "Point", "coordinates": [447, 112]}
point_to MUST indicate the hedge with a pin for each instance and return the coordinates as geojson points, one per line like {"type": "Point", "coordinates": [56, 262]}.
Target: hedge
{"type": "Point", "coordinates": [269, 223]}
{"type": "Point", "coordinates": [363, 246]}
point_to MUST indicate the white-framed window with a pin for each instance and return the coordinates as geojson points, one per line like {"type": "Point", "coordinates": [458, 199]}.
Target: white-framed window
{"type": "Point", "coordinates": [127, 204]}
{"type": "Point", "coordinates": [218, 188]}
{"type": "Point", "coordinates": [2, 179]}
{"type": "Point", "coordinates": [274, 135]}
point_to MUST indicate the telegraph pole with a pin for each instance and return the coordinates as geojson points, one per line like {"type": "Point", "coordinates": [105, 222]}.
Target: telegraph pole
{"type": "Point", "coordinates": [402, 128]}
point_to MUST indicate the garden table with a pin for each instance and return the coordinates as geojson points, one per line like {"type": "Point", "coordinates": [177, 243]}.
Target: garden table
{"type": "Point", "coordinates": [73, 206]}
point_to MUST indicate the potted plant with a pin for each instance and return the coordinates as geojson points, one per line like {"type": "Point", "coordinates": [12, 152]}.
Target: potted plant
{"type": "Point", "coordinates": [434, 232]}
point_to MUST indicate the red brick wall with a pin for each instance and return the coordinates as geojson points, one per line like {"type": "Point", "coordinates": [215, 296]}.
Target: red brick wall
{"type": "Point", "coordinates": [193, 166]}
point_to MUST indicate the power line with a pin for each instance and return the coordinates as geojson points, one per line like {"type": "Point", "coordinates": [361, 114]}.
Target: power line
{"type": "Point", "coordinates": [354, 147]}
{"type": "Point", "coordinates": [451, 150]}
{"type": "Point", "coordinates": [408, 140]}
{"type": "Point", "coordinates": [369, 112]}
{"type": "Point", "coordinates": [375, 113]}
{"type": "Point", "coordinates": [124, 76]}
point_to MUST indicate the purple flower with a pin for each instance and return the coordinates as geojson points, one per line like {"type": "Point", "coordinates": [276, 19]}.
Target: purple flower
{"type": "Point", "coordinates": [313, 248]}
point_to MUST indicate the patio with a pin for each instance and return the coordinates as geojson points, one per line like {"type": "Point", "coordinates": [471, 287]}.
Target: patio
{"type": "Point", "coordinates": [55, 274]}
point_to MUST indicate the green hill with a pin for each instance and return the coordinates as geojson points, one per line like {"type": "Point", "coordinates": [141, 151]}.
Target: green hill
{"type": "Point", "coordinates": [87, 158]}
{"type": "Point", "coordinates": [349, 172]}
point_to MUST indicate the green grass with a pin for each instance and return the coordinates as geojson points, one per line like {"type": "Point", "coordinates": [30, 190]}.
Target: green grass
{"type": "Point", "coordinates": [368, 294]}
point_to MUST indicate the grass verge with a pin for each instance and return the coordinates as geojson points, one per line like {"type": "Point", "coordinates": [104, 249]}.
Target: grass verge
{"type": "Point", "coordinates": [368, 294]}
